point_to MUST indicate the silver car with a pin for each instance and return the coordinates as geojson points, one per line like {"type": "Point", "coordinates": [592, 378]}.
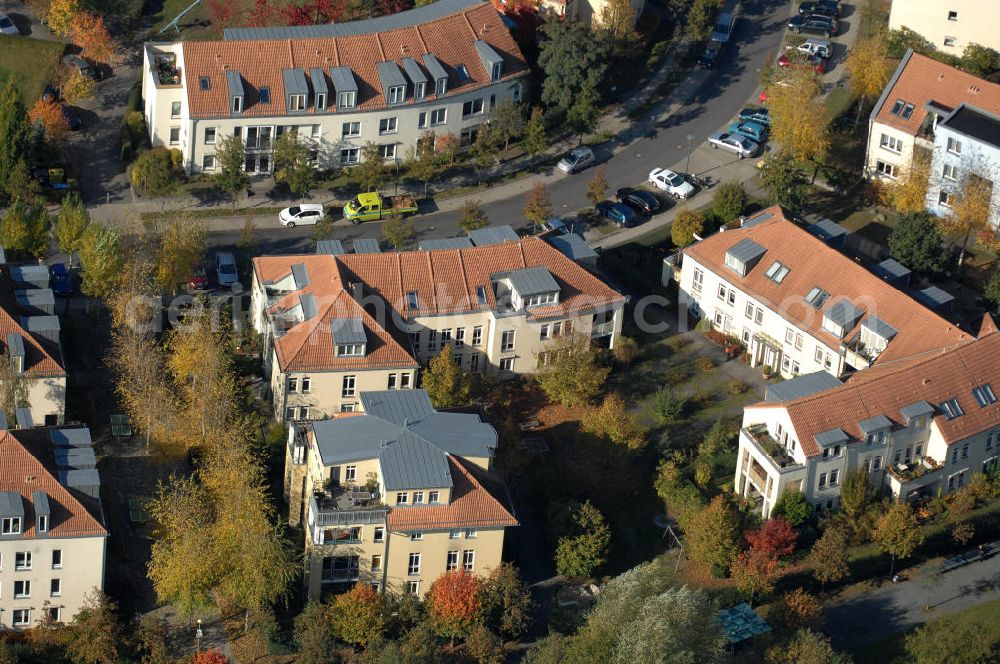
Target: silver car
{"type": "Point", "coordinates": [577, 160]}
{"type": "Point", "coordinates": [734, 142]}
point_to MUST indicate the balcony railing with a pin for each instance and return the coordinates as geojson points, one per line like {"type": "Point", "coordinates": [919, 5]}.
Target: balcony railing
{"type": "Point", "coordinates": [602, 329]}
{"type": "Point", "coordinates": [774, 451]}
{"type": "Point", "coordinates": [335, 514]}
{"type": "Point", "coordinates": [907, 472]}
{"type": "Point", "coordinates": [341, 575]}
{"type": "Point", "coordinates": [259, 143]}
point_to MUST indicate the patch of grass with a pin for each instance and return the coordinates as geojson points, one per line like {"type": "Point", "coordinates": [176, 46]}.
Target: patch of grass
{"type": "Point", "coordinates": [30, 63]}
{"type": "Point", "coordinates": [209, 213]}
{"type": "Point", "coordinates": [598, 138]}
{"type": "Point", "coordinates": [838, 101]}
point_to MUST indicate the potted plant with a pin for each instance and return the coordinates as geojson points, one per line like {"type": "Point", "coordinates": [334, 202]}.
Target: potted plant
{"type": "Point", "coordinates": [766, 370]}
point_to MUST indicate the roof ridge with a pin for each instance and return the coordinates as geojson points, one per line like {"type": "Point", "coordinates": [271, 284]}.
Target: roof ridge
{"type": "Point", "coordinates": [336, 50]}
{"type": "Point", "coordinates": [381, 48]}
{"type": "Point", "coordinates": [314, 323]}
{"type": "Point", "coordinates": [465, 15]}
{"type": "Point", "coordinates": [291, 53]}
{"type": "Point", "coordinates": [423, 43]}
{"type": "Point", "coordinates": [465, 277]}
{"type": "Point", "coordinates": [430, 273]}
{"type": "Point", "coordinates": [476, 484]}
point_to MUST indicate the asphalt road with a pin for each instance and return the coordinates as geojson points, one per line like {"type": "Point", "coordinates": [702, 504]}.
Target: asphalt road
{"type": "Point", "coordinates": [729, 87]}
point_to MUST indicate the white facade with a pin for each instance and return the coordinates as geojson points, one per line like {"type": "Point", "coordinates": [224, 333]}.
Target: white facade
{"type": "Point", "coordinates": [950, 25]}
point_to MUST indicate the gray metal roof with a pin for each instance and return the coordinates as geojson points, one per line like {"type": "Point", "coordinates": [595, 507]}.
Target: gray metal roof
{"type": "Point", "coordinates": [43, 326]}
{"type": "Point", "coordinates": [746, 251]}
{"type": "Point", "coordinates": [409, 18]}
{"type": "Point", "coordinates": [891, 270]}
{"type": "Point", "coordinates": [801, 386]}
{"type": "Point", "coordinates": [873, 424]}
{"type": "Point", "coordinates": [827, 230]}
{"type": "Point", "coordinates": [348, 331]}
{"type": "Point", "coordinates": [413, 71]}
{"type": "Point", "coordinates": [343, 79]}
{"type": "Point", "coordinates": [401, 407]}
{"type": "Point", "coordinates": [572, 246]}
{"type": "Point", "coordinates": [308, 303]}
{"type": "Point", "coordinates": [445, 243]}
{"type": "Point", "coordinates": [300, 275]}
{"type": "Point", "coordinates": [3, 421]}
{"type": "Point", "coordinates": [331, 247]}
{"type": "Point", "coordinates": [916, 409]}
{"type": "Point", "coordinates": [740, 623]}
{"type": "Point", "coordinates": [831, 437]}
{"type": "Point", "coordinates": [753, 221]}
{"type": "Point", "coordinates": [488, 56]}
{"type": "Point", "coordinates": [352, 438]}
{"type": "Point", "coordinates": [413, 463]}
{"type": "Point", "coordinates": [533, 281]}
{"type": "Point", "coordinates": [10, 504]}
{"type": "Point", "coordinates": [843, 313]}
{"type": "Point", "coordinates": [879, 327]}
{"type": "Point", "coordinates": [493, 235]}
{"type": "Point", "coordinates": [933, 297]}
{"type": "Point", "coordinates": [34, 275]}
{"type": "Point", "coordinates": [23, 418]}
{"type": "Point", "coordinates": [79, 437]}
{"type": "Point", "coordinates": [366, 245]}
{"type": "Point", "coordinates": [390, 75]}
{"type": "Point", "coordinates": [40, 501]}
{"type": "Point", "coordinates": [87, 481]}
{"type": "Point", "coordinates": [76, 457]}
{"type": "Point", "coordinates": [15, 345]}
{"type": "Point", "coordinates": [235, 83]}
{"type": "Point", "coordinates": [294, 81]}
{"type": "Point", "coordinates": [463, 434]}
{"type": "Point", "coordinates": [434, 67]}
{"type": "Point", "coordinates": [41, 299]}
{"type": "Point", "coordinates": [318, 78]}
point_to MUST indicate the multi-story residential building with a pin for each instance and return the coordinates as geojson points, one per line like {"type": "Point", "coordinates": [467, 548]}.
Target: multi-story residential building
{"type": "Point", "coordinates": [29, 336]}
{"type": "Point", "coordinates": [52, 529]}
{"type": "Point", "coordinates": [801, 306]}
{"type": "Point", "coordinates": [441, 67]}
{"type": "Point", "coordinates": [395, 495]}
{"type": "Point", "coordinates": [920, 95]}
{"type": "Point", "coordinates": [334, 326]}
{"type": "Point", "coordinates": [918, 425]}
{"type": "Point", "coordinates": [590, 11]}
{"type": "Point", "coordinates": [951, 25]}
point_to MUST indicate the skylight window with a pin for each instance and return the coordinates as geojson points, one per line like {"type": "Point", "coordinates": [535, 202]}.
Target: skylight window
{"type": "Point", "coordinates": [265, 95]}
{"type": "Point", "coordinates": [950, 409]}
{"type": "Point", "coordinates": [463, 73]}
{"type": "Point", "coordinates": [907, 111]}
{"type": "Point", "coordinates": [984, 395]}
{"type": "Point", "coordinates": [205, 83]}
{"type": "Point", "coordinates": [412, 302]}
{"type": "Point", "coordinates": [777, 272]}
{"type": "Point", "coordinates": [481, 294]}
{"type": "Point", "coordinates": [817, 297]}
{"type": "Point", "coordinates": [897, 107]}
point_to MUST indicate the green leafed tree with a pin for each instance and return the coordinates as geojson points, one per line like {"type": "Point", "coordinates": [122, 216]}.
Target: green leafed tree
{"type": "Point", "coordinates": [15, 133]}
{"type": "Point", "coordinates": [687, 224]}
{"type": "Point", "coordinates": [358, 616]}
{"type": "Point", "coordinates": [793, 506]}
{"type": "Point", "coordinates": [583, 115]}
{"type": "Point", "coordinates": [370, 172]}
{"type": "Point", "coordinates": [96, 632]}
{"type": "Point", "coordinates": [230, 160]}
{"type": "Point", "coordinates": [806, 647]}
{"type": "Point", "coordinates": [682, 622]}
{"type": "Point", "coordinates": [897, 532]}
{"type": "Point", "coordinates": [916, 243]}
{"type": "Point", "coordinates": [507, 602]}
{"type": "Point", "coordinates": [471, 216]}
{"type": "Point", "coordinates": [535, 135]}
{"type": "Point", "coordinates": [584, 549]}
{"type": "Point", "coordinates": [24, 229]}
{"type": "Point", "coordinates": [783, 180]}
{"type": "Point", "coordinates": [101, 260]}
{"type": "Point", "coordinates": [613, 421]}
{"type": "Point", "coordinates": [182, 246]}
{"type": "Point", "coordinates": [855, 492]}
{"type": "Point", "coordinates": [573, 61]}
{"type": "Point", "coordinates": [828, 560]}
{"type": "Point", "coordinates": [446, 383]}
{"type": "Point", "coordinates": [571, 374]}
{"type": "Point", "coordinates": [507, 121]}
{"type": "Point", "coordinates": [712, 535]}
{"type": "Point", "coordinates": [70, 224]}
{"type": "Point", "coordinates": [292, 163]}
{"type": "Point", "coordinates": [979, 60]}
{"type": "Point", "coordinates": [154, 173]}
{"type": "Point", "coordinates": [730, 201]}
{"type": "Point", "coordinates": [899, 40]}
{"type": "Point", "coordinates": [954, 639]}
{"type": "Point", "coordinates": [15, 387]}
{"type": "Point", "coordinates": [700, 18]}
{"type": "Point", "coordinates": [421, 160]}
{"type": "Point", "coordinates": [537, 205]}
{"type": "Point", "coordinates": [397, 231]}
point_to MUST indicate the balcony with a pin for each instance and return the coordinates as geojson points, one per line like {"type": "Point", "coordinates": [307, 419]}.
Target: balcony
{"type": "Point", "coordinates": [602, 329]}
{"type": "Point", "coordinates": [908, 472]}
{"type": "Point", "coordinates": [770, 448]}
{"type": "Point", "coordinates": [341, 575]}
{"type": "Point", "coordinates": [341, 509]}
{"type": "Point", "coordinates": [167, 72]}
{"type": "Point", "coordinates": [258, 143]}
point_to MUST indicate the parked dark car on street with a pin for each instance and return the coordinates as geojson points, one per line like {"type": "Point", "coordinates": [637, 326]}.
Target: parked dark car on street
{"type": "Point", "coordinates": [711, 54]}
{"type": "Point", "coordinates": [813, 25]}
{"type": "Point", "coordinates": [643, 202]}
{"type": "Point", "coordinates": [829, 8]}
{"type": "Point", "coordinates": [620, 215]}
{"type": "Point", "coordinates": [755, 114]}
{"type": "Point", "coordinates": [60, 279]}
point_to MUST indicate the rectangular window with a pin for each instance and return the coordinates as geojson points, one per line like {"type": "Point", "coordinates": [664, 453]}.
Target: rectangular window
{"type": "Point", "coordinates": [306, 384]}
{"type": "Point", "coordinates": [472, 107]}
{"type": "Point", "coordinates": [418, 497]}
{"type": "Point", "coordinates": [349, 386]}
{"type": "Point", "coordinates": [392, 381]}
{"type": "Point", "coordinates": [885, 169]}
{"type": "Point", "coordinates": [419, 90]}
{"type": "Point", "coordinates": [377, 562]}
{"type": "Point", "coordinates": [293, 385]}
{"type": "Point", "coordinates": [950, 41]}
{"type": "Point", "coordinates": [822, 480]}
{"type": "Point", "coordinates": [459, 336]}
{"type": "Point", "coordinates": [455, 534]}
{"type": "Point", "coordinates": [954, 146]}
{"type": "Point", "coordinates": [350, 156]}
{"type": "Point", "coordinates": [387, 126]}
{"type": "Point", "coordinates": [348, 407]}
{"type": "Point", "coordinates": [452, 564]}
{"type": "Point", "coordinates": [749, 310]}
{"type": "Point", "coordinates": [379, 535]}
{"type": "Point", "coordinates": [470, 533]}
{"type": "Point", "coordinates": [441, 86]}
{"type": "Point", "coordinates": [439, 116]}
{"type": "Point", "coordinates": [208, 162]}
{"type": "Point", "coordinates": [402, 498]}
{"type": "Point", "coordinates": [57, 559]}
{"type": "Point", "coordinates": [55, 588]}
{"type": "Point", "coordinates": [507, 341]}
{"type": "Point", "coordinates": [434, 497]}
{"type": "Point", "coordinates": [468, 560]}
{"type": "Point", "coordinates": [722, 292]}
{"type": "Point", "coordinates": [22, 588]}
{"type": "Point", "coordinates": [416, 536]}
{"type": "Point", "coordinates": [404, 381]}
{"type": "Point", "coordinates": [21, 617]}
{"type": "Point", "coordinates": [965, 455]}
{"type": "Point", "coordinates": [350, 473]}
{"type": "Point", "coordinates": [950, 172]}
{"type": "Point", "coordinates": [175, 109]}
{"type": "Point", "coordinates": [413, 587]}
{"type": "Point", "coordinates": [946, 198]}
{"type": "Point", "coordinates": [412, 302]}
{"type": "Point", "coordinates": [397, 94]}
{"type": "Point", "coordinates": [347, 99]}
{"type": "Point", "coordinates": [210, 134]}
{"type": "Point", "coordinates": [10, 525]}
{"type": "Point", "coordinates": [984, 395]}
{"type": "Point", "coordinates": [952, 16]}
{"type": "Point", "coordinates": [297, 103]}
{"type": "Point", "coordinates": [43, 523]}
{"type": "Point", "coordinates": [432, 340]}
{"type": "Point", "coordinates": [731, 300]}
{"type": "Point", "coordinates": [320, 101]}
{"type": "Point", "coordinates": [697, 280]}
{"type": "Point", "coordinates": [543, 333]}
{"type": "Point", "coordinates": [834, 477]}
{"type": "Point", "coordinates": [237, 104]}
{"type": "Point", "coordinates": [507, 364]}
{"type": "Point", "coordinates": [388, 151]}
{"type": "Point", "coordinates": [422, 120]}
{"type": "Point", "coordinates": [474, 363]}
{"type": "Point", "coordinates": [22, 560]}
{"type": "Point", "coordinates": [477, 335]}
{"type": "Point", "coordinates": [413, 567]}
{"type": "Point", "coordinates": [175, 135]}
{"type": "Point", "coordinates": [876, 463]}
{"type": "Point", "coordinates": [891, 143]}
{"type": "Point", "coordinates": [350, 129]}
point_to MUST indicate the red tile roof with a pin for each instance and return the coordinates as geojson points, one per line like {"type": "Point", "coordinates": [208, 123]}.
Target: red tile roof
{"type": "Point", "coordinates": [934, 376]}
{"type": "Point", "coordinates": [919, 80]}
{"type": "Point", "coordinates": [813, 263]}
{"type": "Point", "coordinates": [445, 281]}
{"type": "Point", "coordinates": [27, 464]}
{"type": "Point", "coordinates": [472, 505]}
{"type": "Point", "coordinates": [261, 62]}
{"type": "Point", "coordinates": [42, 357]}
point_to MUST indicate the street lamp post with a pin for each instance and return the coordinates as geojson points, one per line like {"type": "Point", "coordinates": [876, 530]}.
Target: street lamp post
{"type": "Point", "coordinates": [198, 634]}
{"type": "Point", "coordinates": [687, 164]}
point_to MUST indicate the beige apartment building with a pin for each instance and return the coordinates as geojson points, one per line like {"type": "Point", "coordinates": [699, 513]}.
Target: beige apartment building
{"type": "Point", "coordinates": [395, 495]}
{"type": "Point", "coordinates": [442, 68]}
{"type": "Point", "coordinates": [589, 11]}
{"type": "Point", "coordinates": [52, 532]}
{"type": "Point", "coordinates": [920, 426]}
{"type": "Point", "coordinates": [334, 327]}
{"type": "Point", "coordinates": [951, 25]}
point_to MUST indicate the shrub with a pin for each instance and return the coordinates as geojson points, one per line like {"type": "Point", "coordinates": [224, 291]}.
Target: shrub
{"type": "Point", "coordinates": [702, 399]}
{"type": "Point", "coordinates": [729, 201]}
{"type": "Point", "coordinates": [705, 364]}
{"type": "Point", "coordinates": [737, 387]}
{"type": "Point", "coordinates": [668, 405]}
{"type": "Point", "coordinates": [677, 375]}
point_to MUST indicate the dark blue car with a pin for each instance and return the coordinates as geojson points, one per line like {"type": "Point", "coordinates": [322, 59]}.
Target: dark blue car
{"type": "Point", "coordinates": [60, 279]}
{"type": "Point", "coordinates": [620, 215]}
{"type": "Point", "coordinates": [755, 114]}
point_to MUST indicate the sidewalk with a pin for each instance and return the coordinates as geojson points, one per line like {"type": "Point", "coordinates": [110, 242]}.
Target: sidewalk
{"type": "Point", "coordinates": [617, 123]}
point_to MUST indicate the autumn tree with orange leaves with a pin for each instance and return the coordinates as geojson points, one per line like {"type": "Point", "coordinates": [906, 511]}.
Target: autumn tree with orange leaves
{"type": "Point", "coordinates": [755, 571]}
{"type": "Point", "coordinates": [91, 34]}
{"type": "Point", "coordinates": [454, 604]}
{"type": "Point", "coordinates": [49, 114]}
{"type": "Point", "coordinates": [357, 616]}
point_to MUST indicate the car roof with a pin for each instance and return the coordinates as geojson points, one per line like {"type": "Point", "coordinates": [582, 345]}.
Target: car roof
{"type": "Point", "coordinates": [225, 255]}
{"type": "Point", "coordinates": [580, 151]}
{"type": "Point", "coordinates": [309, 206]}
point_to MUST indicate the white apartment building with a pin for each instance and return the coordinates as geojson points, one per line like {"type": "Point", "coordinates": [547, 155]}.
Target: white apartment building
{"type": "Point", "coordinates": [334, 326]}
{"type": "Point", "coordinates": [918, 425]}
{"type": "Point", "coordinates": [441, 67]}
{"type": "Point", "coordinates": [920, 95]}
{"type": "Point", "coordinates": [950, 25]}
{"type": "Point", "coordinates": [52, 532]}
{"type": "Point", "coordinates": [590, 11]}
{"type": "Point", "coordinates": [801, 306]}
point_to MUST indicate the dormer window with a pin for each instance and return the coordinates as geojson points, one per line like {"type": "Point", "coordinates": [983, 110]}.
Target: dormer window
{"type": "Point", "coordinates": [841, 317]}
{"type": "Point", "coordinates": [481, 294]}
{"type": "Point", "coordinates": [419, 90]}
{"type": "Point", "coordinates": [237, 104]}
{"type": "Point", "coordinates": [497, 71]}
{"type": "Point", "coordinates": [347, 99]}
{"type": "Point", "coordinates": [350, 350]}
{"type": "Point", "coordinates": [441, 86]}
{"type": "Point", "coordinates": [321, 101]}
{"type": "Point", "coordinates": [297, 103]}
{"type": "Point", "coordinates": [463, 73]}
{"type": "Point", "coordinates": [984, 395]}
{"type": "Point", "coordinates": [537, 300]}
{"type": "Point", "coordinates": [742, 256]}
{"type": "Point", "coordinates": [950, 409]}
{"type": "Point", "coordinates": [43, 523]}
{"type": "Point", "coordinates": [397, 94]}
{"type": "Point", "coordinates": [10, 525]}
{"type": "Point", "coordinates": [349, 337]}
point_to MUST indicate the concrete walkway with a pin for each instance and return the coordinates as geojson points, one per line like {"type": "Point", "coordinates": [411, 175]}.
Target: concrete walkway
{"type": "Point", "coordinates": [897, 607]}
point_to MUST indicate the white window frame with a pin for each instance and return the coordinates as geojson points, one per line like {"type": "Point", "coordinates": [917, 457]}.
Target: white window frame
{"type": "Point", "coordinates": [402, 498]}
{"type": "Point", "coordinates": [296, 103]}
{"type": "Point", "coordinates": [57, 553]}
{"type": "Point", "coordinates": [349, 386]}
{"type": "Point", "coordinates": [507, 364]}
{"type": "Point", "coordinates": [170, 136]}
{"type": "Point", "coordinates": [320, 101]}
{"type": "Point", "coordinates": [954, 146]}
{"type": "Point", "coordinates": [891, 144]}
{"type": "Point", "coordinates": [451, 562]}
{"type": "Point", "coordinates": [413, 565]}
{"type": "Point", "coordinates": [350, 129]}
{"type": "Point", "coordinates": [237, 104]}
{"type": "Point", "coordinates": [22, 561]}
{"type": "Point", "coordinates": [25, 588]}
{"type": "Point", "coordinates": [471, 533]}
{"type": "Point", "coordinates": [55, 588]}
{"type": "Point", "coordinates": [347, 99]}
{"type": "Point", "coordinates": [469, 560]}
{"type": "Point", "coordinates": [507, 340]}
{"type": "Point", "coordinates": [950, 172]}
{"type": "Point", "coordinates": [10, 525]}
{"type": "Point", "coordinates": [379, 535]}
{"type": "Point", "coordinates": [433, 497]}
{"type": "Point", "coordinates": [208, 162]}
{"type": "Point", "coordinates": [175, 105]}
{"type": "Point", "coordinates": [214, 133]}
{"type": "Point", "coordinates": [20, 617]}
{"type": "Point", "coordinates": [388, 125]}
{"type": "Point", "coordinates": [477, 335]}
{"type": "Point", "coordinates": [397, 94]}
{"type": "Point", "coordinates": [439, 116]}
{"type": "Point", "coordinates": [388, 150]}
{"type": "Point", "coordinates": [350, 156]}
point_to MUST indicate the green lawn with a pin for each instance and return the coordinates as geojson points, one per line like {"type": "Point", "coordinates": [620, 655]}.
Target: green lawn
{"type": "Point", "coordinates": [29, 62]}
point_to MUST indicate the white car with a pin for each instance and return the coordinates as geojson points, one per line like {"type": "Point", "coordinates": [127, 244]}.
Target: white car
{"type": "Point", "coordinates": [303, 214]}
{"type": "Point", "coordinates": [819, 47]}
{"type": "Point", "coordinates": [670, 182]}
{"type": "Point", "coordinates": [734, 142]}
{"type": "Point", "coordinates": [225, 269]}
{"type": "Point", "coordinates": [7, 26]}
